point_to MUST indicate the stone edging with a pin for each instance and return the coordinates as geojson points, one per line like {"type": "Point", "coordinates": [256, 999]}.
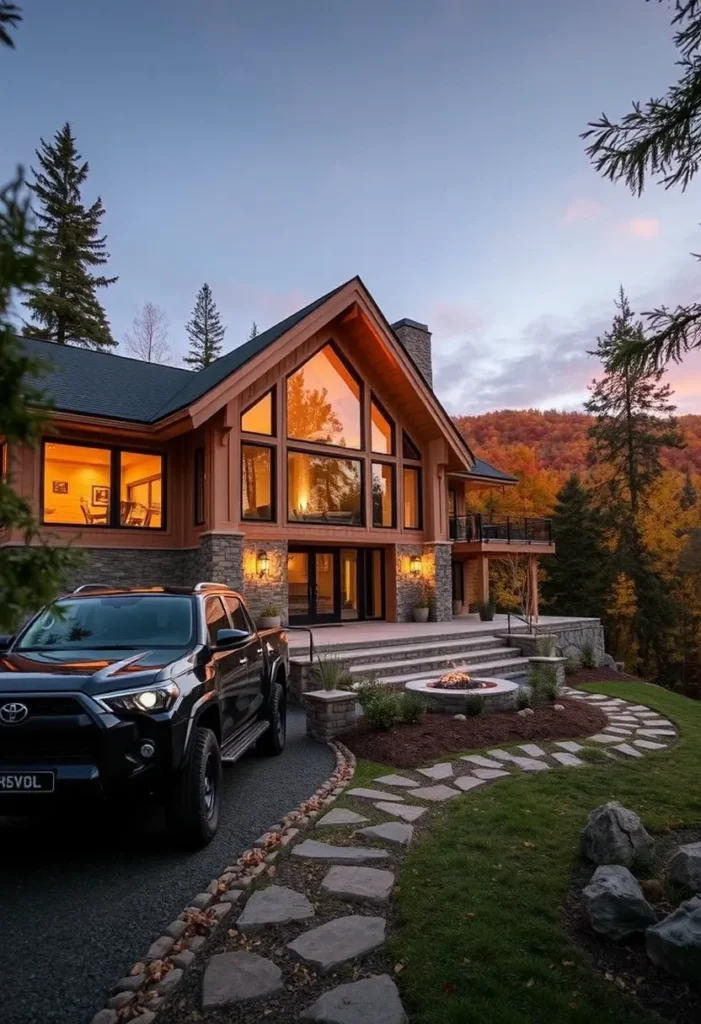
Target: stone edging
{"type": "Point", "coordinates": [140, 994]}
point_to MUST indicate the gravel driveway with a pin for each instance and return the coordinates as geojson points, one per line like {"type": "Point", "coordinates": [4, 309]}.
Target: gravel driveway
{"type": "Point", "coordinates": [80, 902]}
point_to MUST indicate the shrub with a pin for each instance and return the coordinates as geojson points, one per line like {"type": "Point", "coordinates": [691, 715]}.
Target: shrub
{"type": "Point", "coordinates": [486, 610]}
{"type": "Point", "coordinates": [588, 656]}
{"type": "Point", "coordinates": [368, 688]}
{"type": "Point", "coordinates": [543, 682]}
{"type": "Point", "coordinates": [412, 708]}
{"type": "Point", "coordinates": [384, 710]}
{"type": "Point", "coordinates": [269, 611]}
{"type": "Point", "coordinates": [473, 705]}
{"type": "Point", "coordinates": [572, 666]}
{"type": "Point", "coordinates": [545, 646]}
{"type": "Point", "coordinates": [333, 674]}
{"type": "Point", "coordinates": [523, 699]}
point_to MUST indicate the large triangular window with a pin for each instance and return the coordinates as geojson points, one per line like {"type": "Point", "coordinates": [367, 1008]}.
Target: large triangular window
{"type": "Point", "coordinates": [323, 401]}
{"type": "Point", "coordinates": [259, 418]}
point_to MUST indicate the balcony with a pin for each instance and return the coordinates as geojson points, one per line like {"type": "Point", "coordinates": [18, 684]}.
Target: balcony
{"type": "Point", "coordinates": [496, 529]}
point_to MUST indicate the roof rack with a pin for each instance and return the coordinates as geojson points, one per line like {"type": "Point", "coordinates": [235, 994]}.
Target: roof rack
{"type": "Point", "coordinates": [208, 585]}
{"type": "Point", "coordinates": [92, 586]}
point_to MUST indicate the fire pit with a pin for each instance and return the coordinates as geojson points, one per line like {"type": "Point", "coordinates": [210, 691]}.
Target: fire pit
{"type": "Point", "coordinates": [449, 692]}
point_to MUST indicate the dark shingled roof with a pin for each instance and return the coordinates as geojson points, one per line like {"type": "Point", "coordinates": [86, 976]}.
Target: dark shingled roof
{"type": "Point", "coordinates": [102, 384]}
{"type": "Point", "coordinates": [482, 468]}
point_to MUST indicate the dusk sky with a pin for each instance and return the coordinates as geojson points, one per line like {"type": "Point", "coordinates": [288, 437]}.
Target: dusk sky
{"type": "Point", "coordinates": [276, 148]}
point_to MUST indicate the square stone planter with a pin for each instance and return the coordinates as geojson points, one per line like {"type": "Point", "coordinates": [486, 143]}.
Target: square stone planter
{"type": "Point", "coordinates": [556, 663]}
{"type": "Point", "coordinates": [329, 713]}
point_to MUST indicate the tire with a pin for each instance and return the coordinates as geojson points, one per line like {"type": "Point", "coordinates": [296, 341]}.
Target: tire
{"type": "Point", "coordinates": [272, 742]}
{"type": "Point", "coordinates": [195, 802]}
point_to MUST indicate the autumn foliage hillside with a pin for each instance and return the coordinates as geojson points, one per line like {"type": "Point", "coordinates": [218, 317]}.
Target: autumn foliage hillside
{"type": "Point", "coordinates": [543, 448]}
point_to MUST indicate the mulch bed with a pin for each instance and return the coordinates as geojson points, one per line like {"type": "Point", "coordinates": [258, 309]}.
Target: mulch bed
{"type": "Point", "coordinates": [626, 964]}
{"type": "Point", "coordinates": [412, 746]}
{"type": "Point", "coordinates": [600, 675]}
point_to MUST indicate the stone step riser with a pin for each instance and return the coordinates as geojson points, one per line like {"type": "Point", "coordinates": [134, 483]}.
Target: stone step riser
{"type": "Point", "coordinates": [442, 662]}
{"type": "Point", "coordinates": [400, 651]}
{"type": "Point", "coordinates": [302, 646]}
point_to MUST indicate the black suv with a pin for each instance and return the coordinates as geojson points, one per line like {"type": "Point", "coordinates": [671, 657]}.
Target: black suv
{"type": "Point", "coordinates": [112, 691]}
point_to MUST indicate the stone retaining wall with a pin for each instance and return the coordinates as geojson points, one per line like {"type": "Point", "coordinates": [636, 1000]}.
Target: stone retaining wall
{"type": "Point", "coordinates": [568, 639]}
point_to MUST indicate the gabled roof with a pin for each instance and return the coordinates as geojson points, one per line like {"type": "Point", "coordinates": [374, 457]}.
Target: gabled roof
{"type": "Point", "coordinates": [485, 471]}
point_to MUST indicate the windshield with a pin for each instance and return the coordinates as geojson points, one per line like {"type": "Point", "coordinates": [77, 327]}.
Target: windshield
{"type": "Point", "coordinates": [129, 622]}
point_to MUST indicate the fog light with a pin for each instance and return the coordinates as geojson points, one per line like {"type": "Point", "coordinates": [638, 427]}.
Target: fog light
{"type": "Point", "coordinates": [147, 750]}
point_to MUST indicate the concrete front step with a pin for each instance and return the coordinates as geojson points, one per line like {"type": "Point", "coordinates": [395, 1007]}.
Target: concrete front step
{"type": "Point", "coordinates": [442, 662]}
{"type": "Point", "coordinates": [417, 638]}
{"type": "Point", "coordinates": [390, 651]}
{"type": "Point", "coordinates": [503, 669]}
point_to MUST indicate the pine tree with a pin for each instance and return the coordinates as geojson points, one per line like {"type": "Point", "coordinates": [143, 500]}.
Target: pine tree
{"type": "Point", "coordinates": [205, 331]}
{"type": "Point", "coordinates": [253, 332]}
{"type": "Point", "coordinates": [65, 305]}
{"type": "Point", "coordinates": [10, 16]}
{"type": "Point", "coordinates": [688, 496]}
{"type": "Point", "coordinates": [577, 578]}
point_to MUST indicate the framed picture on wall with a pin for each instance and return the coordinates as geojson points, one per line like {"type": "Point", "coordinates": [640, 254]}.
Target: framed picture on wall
{"type": "Point", "coordinates": [100, 495]}
{"type": "Point", "coordinates": [60, 487]}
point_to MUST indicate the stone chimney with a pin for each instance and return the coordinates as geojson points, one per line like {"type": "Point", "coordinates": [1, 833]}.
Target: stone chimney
{"type": "Point", "coordinates": [416, 339]}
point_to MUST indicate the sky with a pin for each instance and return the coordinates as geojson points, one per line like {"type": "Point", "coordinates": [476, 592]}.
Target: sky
{"type": "Point", "coordinates": [279, 147]}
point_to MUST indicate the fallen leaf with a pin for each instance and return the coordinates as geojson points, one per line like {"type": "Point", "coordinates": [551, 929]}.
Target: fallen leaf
{"type": "Point", "coordinates": [398, 968]}
{"type": "Point", "coordinates": [531, 846]}
{"type": "Point", "coordinates": [530, 983]}
{"type": "Point", "coordinates": [568, 963]}
{"type": "Point", "coordinates": [469, 917]}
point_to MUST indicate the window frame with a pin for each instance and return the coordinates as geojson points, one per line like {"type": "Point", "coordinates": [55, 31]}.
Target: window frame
{"type": "Point", "coordinates": [210, 598]}
{"type": "Point", "coordinates": [410, 458]}
{"type": "Point", "coordinates": [199, 476]}
{"type": "Point", "coordinates": [393, 491]}
{"type": "Point", "coordinates": [272, 449]}
{"type": "Point", "coordinates": [420, 493]}
{"type": "Point", "coordinates": [360, 459]}
{"type": "Point", "coordinates": [273, 413]}
{"type": "Point", "coordinates": [362, 447]}
{"type": "Point", "coordinates": [115, 451]}
{"type": "Point", "coordinates": [374, 400]}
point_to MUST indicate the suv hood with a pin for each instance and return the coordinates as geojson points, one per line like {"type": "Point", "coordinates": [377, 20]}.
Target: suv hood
{"type": "Point", "coordinates": [90, 671]}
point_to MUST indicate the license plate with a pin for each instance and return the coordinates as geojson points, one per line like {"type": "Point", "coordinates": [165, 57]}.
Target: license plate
{"type": "Point", "coordinates": [27, 782]}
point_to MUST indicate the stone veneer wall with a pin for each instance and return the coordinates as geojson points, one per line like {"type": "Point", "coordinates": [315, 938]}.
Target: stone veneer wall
{"type": "Point", "coordinates": [568, 640]}
{"type": "Point", "coordinates": [130, 567]}
{"type": "Point", "coordinates": [435, 578]}
{"type": "Point", "coordinates": [218, 560]}
{"type": "Point", "coordinates": [271, 589]}
{"type": "Point", "coordinates": [416, 339]}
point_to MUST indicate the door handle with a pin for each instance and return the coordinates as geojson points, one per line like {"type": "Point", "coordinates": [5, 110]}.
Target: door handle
{"type": "Point", "coordinates": [243, 661]}
{"type": "Point", "coordinates": [259, 651]}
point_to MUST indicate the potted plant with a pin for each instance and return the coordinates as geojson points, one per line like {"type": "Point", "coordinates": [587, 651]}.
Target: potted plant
{"type": "Point", "coordinates": [269, 617]}
{"type": "Point", "coordinates": [421, 608]}
{"type": "Point", "coordinates": [486, 610]}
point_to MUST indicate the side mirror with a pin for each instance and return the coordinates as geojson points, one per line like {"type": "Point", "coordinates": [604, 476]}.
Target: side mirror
{"type": "Point", "coordinates": [227, 639]}
{"type": "Point", "coordinates": [5, 642]}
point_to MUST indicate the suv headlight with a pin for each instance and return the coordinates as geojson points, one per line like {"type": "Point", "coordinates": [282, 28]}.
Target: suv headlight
{"type": "Point", "coordinates": [147, 701]}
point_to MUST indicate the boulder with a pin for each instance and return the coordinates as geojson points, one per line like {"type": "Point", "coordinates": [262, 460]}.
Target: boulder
{"type": "Point", "coordinates": [675, 943]}
{"type": "Point", "coordinates": [615, 835]}
{"type": "Point", "coordinates": [615, 904]}
{"type": "Point", "coordinates": [684, 866]}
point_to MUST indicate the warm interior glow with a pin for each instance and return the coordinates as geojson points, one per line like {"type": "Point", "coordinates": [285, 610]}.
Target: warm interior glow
{"type": "Point", "coordinates": [349, 584]}
{"type": "Point", "coordinates": [323, 401]}
{"type": "Point", "coordinates": [381, 431]}
{"type": "Point", "coordinates": [140, 497]}
{"type": "Point", "coordinates": [412, 498]}
{"type": "Point", "coordinates": [323, 489]}
{"type": "Point", "coordinates": [259, 418]}
{"type": "Point", "coordinates": [382, 494]}
{"type": "Point", "coordinates": [257, 482]}
{"type": "Point", "coordinates": [76, 484]}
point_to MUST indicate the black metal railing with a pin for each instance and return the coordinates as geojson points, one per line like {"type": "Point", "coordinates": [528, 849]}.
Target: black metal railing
{"type": "Point", "coordinates": [476, 526]}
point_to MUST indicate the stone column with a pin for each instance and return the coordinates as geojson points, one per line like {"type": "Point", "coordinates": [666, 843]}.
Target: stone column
{"type": "Point", "coordinates": [260, 591]}
{"type": "Point", "coordinates": [557, 664]}
{"type": "Point", "coordinates": [329, 713]}
{"type": "Point", "coordinates": [219, 560]}
{"type": "Point", "coordinates": [439, 557]}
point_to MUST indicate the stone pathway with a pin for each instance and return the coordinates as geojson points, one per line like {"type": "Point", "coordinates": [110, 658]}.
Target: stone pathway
{"type": "Point", "coordinates": [359, 873]}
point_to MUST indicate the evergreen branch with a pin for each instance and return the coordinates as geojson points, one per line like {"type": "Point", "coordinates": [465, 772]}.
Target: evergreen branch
{"type": "Point", "coordinates": [10, 15]}
{"type": "Point", "coordinates": [675, 332]}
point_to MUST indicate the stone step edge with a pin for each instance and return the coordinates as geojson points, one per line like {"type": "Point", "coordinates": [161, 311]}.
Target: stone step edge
{"type": "Point", "coordinates": [392, 650]}
{"type": "Point", "coordinates": [478, 657]}
{"type": "Point", "coordinates": [514, 666]}
{"type": "Point", "coordinates": [421, 638]}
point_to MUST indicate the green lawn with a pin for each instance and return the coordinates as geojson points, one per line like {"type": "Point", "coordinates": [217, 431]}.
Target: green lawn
{"type": "Point", "coordinates": [481, 895]}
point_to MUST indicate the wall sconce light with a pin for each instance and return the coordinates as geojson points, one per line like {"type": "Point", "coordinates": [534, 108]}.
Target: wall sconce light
{"type": "Point", "coordinates": [263, 563]}
{"type": "Point", "coordinates": [415, 565]}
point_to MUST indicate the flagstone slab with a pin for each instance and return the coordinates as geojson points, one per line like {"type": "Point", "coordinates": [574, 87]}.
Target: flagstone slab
{"type": "Point", "coordinates": [312, 849]}
{"type": "Point", "coordinates": [532, 749]}
{"type": "Point", "coordinates": [467, 782]}
{"type": "Point", "coordinates": [568, 760]}
{"type": "Point", "coordinates": [502, 755]}
{"type": "Point", "coordinates": [371, 1001]}
{"type": "Point", "coordinates": [530, 764]}
{"type": "Point", "coordinates": [656, 732]}
{"type": "Point", "coordinates": [627, 750]}
{"type": "Point", "coordinates": [569, 745]}
{"type": "Point", "coordinates": [374, 794]}
{"type": "Point", "coordinates": [641, 707]}
{"type": "Point", "coordinates": [482, 762]}
{"type": "Point", "coordinates": [596, 696]}
{"type": "Point", "coordinates": [489, 773]}
{"type": "Point", "coordinates": [396, 780]}
{"type": "Point", "coordinates": [371, 884]}
{"type": "Point", "coordinates": [438, 771]}
{"type": "Point", "coordinates": [273, 906]}
{"type": "Point", "coordinates": [237, 978]}
{"type": "Point", "coordinates": [407, 812]}
{"type": "Point", "coordinates": [602, 737]}
{"type": "Point", "coordinates": [619, 730]}
{"type": "Point", "coordinates": [389, 832]}
{"type": "Point", "coordinates": [436, 794]}
{"type": "Point", "coordinates": [340, 816]}
{"type": "Point", "coordinates": [337, 941]}
{"type": "Point", "coordinates": [648, 745]}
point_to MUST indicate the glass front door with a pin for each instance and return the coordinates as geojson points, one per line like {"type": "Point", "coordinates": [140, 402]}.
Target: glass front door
{"type": "Point", "coordinates": [312, 586]}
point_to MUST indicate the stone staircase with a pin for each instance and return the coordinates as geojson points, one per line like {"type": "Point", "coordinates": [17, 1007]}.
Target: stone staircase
{"type": "Point", "coordinates": [397, 661]}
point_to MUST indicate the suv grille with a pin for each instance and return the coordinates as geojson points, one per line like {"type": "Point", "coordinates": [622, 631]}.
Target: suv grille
{"type": "Point", "coordinates": [22, 745]}
{"type": "Point", "coordinates": [51, 705]}
{"type": "Point", "coordinates": [57, 728]}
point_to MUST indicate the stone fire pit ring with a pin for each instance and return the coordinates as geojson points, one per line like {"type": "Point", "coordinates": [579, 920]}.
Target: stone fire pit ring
{"type": "Point", "coordinates": [500, 696]}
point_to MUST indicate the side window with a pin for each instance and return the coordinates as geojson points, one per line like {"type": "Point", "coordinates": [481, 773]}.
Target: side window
{"type": "Point", "coordinates": [215, 618]}
{"type": "Point", "coordinates": [237, 613]}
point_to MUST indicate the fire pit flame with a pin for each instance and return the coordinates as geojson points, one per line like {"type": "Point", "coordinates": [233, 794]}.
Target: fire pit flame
{"type": "Point", "coordinates": [457, 680]}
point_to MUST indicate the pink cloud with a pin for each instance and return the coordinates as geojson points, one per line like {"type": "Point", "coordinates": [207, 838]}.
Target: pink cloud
{"type": "Point", "coordinates": [581, 209]}
{"type": "Point", "coordinates": [454, 318]}
{"type": "Point", "coordinates": [640, 227]}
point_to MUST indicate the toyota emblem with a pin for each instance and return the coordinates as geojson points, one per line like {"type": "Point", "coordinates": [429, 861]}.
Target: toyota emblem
{"type": "Point", "coordinates": [13, 713]}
